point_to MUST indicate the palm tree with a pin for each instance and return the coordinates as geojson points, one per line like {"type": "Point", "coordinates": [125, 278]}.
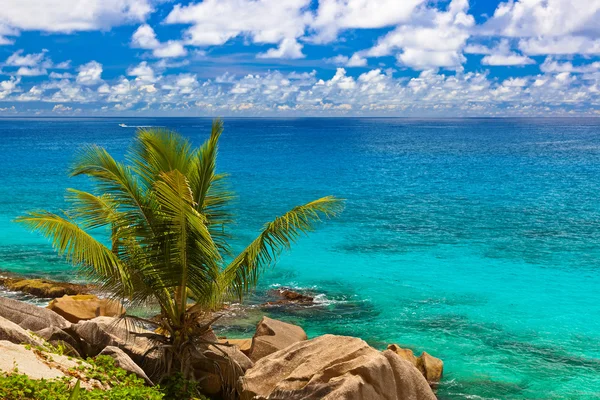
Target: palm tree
{"type": "Point", "coordinates": [167, 212]}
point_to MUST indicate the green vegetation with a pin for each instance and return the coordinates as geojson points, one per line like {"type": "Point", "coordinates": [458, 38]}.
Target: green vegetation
{"type": "Point", "coordinates": [15, 386]}
{"type": "Point", "coordinates": [167, 212]}
{"type": "Point", "coordinates": [123, 385]}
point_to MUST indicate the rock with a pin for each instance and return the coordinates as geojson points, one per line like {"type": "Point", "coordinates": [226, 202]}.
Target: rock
{"type": "Point", "coordinates": [40, 365]}
{"type": "Point", "coordinates": [217, 366]}
{"type": "Point", "coordinates": [9, 331]}
{"type": "Point", "coordinates": [85, 307]}
{"type": "Point", "coordinates": [29, 363]}
{"type": "Point", "coordinates": [102, 332]}
{"type": "Point", "coordinates": [243, 344]}
{"type": "Point", "coordinates": [125, 362]}
{"type": "Point", "coordinates": [431, 367]}
{"type": "Point", "coordinates": [57, 337]}
{"type": "Point", "coordinates": [273, 335]}
{"type": "Point", "coordinates": [405, 354]}
{"type": "Point", "coordinates": [45, 288]}
{"type": "Point", "coordinates": [30, 317]}
{"type": "Point", "coordinates": [287, 296]}
{"type": "Point", "coordinates": [334, 367]}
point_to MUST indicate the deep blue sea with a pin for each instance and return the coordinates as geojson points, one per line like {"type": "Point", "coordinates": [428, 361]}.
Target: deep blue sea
{"type": "Point", "coordinates": [477, 240]}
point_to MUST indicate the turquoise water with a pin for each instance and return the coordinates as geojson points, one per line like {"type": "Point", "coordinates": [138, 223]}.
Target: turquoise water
{"type": "Point", "coordinates": [477, 240]}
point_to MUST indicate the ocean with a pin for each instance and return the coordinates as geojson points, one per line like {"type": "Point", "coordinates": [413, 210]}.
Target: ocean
{"type": "Point", "coordinates": [476, 240]}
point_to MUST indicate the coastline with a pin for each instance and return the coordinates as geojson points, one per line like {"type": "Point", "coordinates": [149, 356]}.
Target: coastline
{"type": "Point", "coordinates": [412, 377]}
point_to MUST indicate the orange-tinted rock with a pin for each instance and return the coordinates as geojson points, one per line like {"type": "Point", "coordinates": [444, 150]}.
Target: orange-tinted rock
{"type": "Point", "coordinates": [431, 367]}
{"type": "Point", "coordinates": [84, 307]}
{"type": "Point", "coordinates": [405, 354]}
{"type": "Point", "coordinates": [334, 368]}
{"type": "Point", "coordinates": [243, 344]}
{"type": "Point", "coordinates": [273, 335]}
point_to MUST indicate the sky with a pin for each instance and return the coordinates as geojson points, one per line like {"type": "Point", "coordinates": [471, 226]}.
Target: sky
{"type": "Point", "coordinates": [300, 58]}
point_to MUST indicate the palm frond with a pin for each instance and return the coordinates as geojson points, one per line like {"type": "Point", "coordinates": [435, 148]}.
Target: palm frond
{"type": "Point", "coordinates": [193, 255]}
{"type": "Point", "coordinates": [211, 192]}
{"type": "Point", "coordinates": [77, 246]}
{"type": "Point", "coordinates": [243, 272]}
{"type": "Point", "coordinates": [158, 150]}
{"type": "Point", "coordinates": [116, 180]}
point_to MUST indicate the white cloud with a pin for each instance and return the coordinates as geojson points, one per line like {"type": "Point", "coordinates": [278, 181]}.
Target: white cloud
{"type": "Point", "coordinates": [57, 75]}
{"type": "Point", "coordinates": [145, 38]}
{"type": "Point", "coordinates": [26, 71]}
{"type": "Point", "coordinates": [59, 108]}
{"type": "Point", "coordinates": [33, 64]}
{"type": "Point", "coordinates": [375, 91]}
{"type": "Point", "coordinates": [9, 86]}
{"type": "Point", "coordinates": [288, 48]}
{"type": "Point", "coordinates": [552, 66]}
{"type": "Point", "coordinates": [559, 45]}
{"type": "Point", "coordinates": [549, 26]}
{"type": "Point", "coordinates": [533, 18]}
{"type": "Point", "coordinates": [432, 39]}
{"type": "Point", "coordinates": [336, 15]}
{"type": "Point", "coordinates": [90, 74]}
{"type": "Point", "coordinates": [11, 109]}
{"type": "Point", "coordinates": [170, 49]}
{"type": "Point", "coordinates": [356, 61]}
{"type": "Point", "coordinates": [143, 72]}
{"type": "Point", "coordinates": [506, 60]}
{"type": "Point", "coordinates": [69, 16]}
{"type": "Point", "coordinates": [214, 22]}
{"type": "Point", "coordinates": [17, 59]}
{"type": "Point", "coordinates": [500, 55]}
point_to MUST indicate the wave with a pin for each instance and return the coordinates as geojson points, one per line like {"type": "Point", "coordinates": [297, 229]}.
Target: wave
{"type": "Point", "coordinates": [319, 299]}
{"type": "Point", "coordinates": [139, 126]}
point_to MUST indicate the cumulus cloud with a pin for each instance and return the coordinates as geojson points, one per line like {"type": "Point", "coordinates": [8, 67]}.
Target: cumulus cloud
{"type": "Point", "coordinates": [66, 16]}
{"type": "Point", "coordinates": [214, 22]}
{"type": "Point", "coordinates": [500, 55]}
{"type": "Point", "coordinates": [59, 108]}
{"type": "Point", "coordinates": [562, 86]}
{"type": "Point", "coordinates": [145, 38]}
{"type": "Point", "coordinates": [432, 39]}
{"type": "Point", "coordinates": [551, 65]}
{"type": "Point", "coordinates": [288, 48]}
{"type": "Point", "coordinates": [549, 26]}
{"type": "Point", "coordinates": [336, 15]}
{"type": "Point", "coordinates": [34, 64]}
{"type": "Point", "coordinates": [90, 74]}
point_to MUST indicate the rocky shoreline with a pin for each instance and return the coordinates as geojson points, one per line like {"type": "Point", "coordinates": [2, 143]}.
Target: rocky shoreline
{"type": "Point", "coordinates": [279, 361]}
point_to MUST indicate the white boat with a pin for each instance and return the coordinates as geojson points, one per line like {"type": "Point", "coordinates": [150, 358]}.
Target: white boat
{"type": "Point", "coordinates": [123, 125]}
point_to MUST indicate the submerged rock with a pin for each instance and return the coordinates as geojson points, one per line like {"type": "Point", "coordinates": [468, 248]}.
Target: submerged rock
{"type": "Point", "coordinates": [44, 288]}
{"type": "Point", "coordinates": [431, 367]}
{"type": "Point", "coordinates": [273, 335]}
{"type": "Point", "coordinates": [288, 296]}
{"type": "Point", "coordinates": [29, 316]}
{"type": "Point", "coordinates": [334, 367]}
{"type": "Point", "coordinates": [85, 307]}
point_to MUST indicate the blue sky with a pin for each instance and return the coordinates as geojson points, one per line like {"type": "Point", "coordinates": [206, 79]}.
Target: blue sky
{"type": "Point", "coordinates": [300, 57]}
